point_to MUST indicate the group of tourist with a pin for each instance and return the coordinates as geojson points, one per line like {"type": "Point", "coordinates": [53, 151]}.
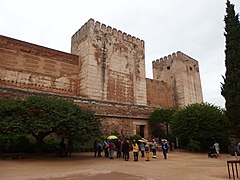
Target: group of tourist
{"type": "Point", "coordinates": [214, 150]}
{"type": "Point", "coordinates": [235, 147]}
{"type": "Point", "coordinates": [66, 149]}
{"type": "Point", "coordinates": [123, 149]}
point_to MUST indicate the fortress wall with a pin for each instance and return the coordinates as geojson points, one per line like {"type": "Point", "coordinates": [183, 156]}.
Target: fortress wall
{"type": "Point", "coordinates": [115, 117]}
{"type": "Point", "coordinates": [119, 87]}
{"type": "Point", "coordinates": [159, 94]}
{"type": "Point", "coordinates": [107, 29]}
{"type": "Point", "coordinates": [109, 67]}
{"type": "Point", "coordinates": [182, 74]}
{"type": "Point", "coordinates": [80, 47]}
{"type": "Point", "coordinates": [121, 118]}
{"type": "Point", "coordinates": [26, 65]}
{"type": "Point", "coordinates": [117, 60]}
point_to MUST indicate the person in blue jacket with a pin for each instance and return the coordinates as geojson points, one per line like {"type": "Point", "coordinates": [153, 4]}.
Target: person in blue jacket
{"type": "Point", "coordinates": [165, 148]}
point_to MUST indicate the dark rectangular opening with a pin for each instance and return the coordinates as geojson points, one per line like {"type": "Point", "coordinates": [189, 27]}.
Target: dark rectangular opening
{"type": "Point", "coordinates": [142, 130]}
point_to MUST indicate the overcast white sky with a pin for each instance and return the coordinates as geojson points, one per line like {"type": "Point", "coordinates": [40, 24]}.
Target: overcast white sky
{"type": "Point", "coordinates": [194, 27]}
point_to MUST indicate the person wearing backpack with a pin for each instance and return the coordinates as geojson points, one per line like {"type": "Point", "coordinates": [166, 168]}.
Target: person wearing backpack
{"type": "Point", "coordinates": [105, 147]}
{"type": "Point", "coordinates": [147, 152]}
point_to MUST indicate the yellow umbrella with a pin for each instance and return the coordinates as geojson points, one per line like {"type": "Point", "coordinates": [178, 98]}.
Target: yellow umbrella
{"type": "Point", "coordinates": [141, 140]}
{"type": "Point", "coordinates": [112, 137]}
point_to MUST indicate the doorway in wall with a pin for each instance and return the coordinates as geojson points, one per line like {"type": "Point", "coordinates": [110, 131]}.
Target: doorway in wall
{"type": "Point", "coordinates": [141, 133]}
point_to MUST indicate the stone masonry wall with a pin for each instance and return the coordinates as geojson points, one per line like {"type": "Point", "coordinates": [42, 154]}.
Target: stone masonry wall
{"type": "Point", "coordinates": [181, 73]}
{"type": "Point", "coordinates": [112, 62]}
{"type": "Point", "coordinates": [159, 94]}
{"type": "Point", "coordinates": [29, 66]}
{"type": "Point", "coordinates": [106, 75]}
{"type": "Point", "coordinates": [115, 117]}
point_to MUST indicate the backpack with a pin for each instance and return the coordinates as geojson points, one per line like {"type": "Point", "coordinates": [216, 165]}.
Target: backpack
{"type": "Point", "coordinates": [146, 148]}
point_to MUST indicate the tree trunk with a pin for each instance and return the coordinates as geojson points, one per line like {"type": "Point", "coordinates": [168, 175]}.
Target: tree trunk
{"type": "Point", "coordinates": [167, 128]}
{"type": "Point", "coordinates": [39, 141]}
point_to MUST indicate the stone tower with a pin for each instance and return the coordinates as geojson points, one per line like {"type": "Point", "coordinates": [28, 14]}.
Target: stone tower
{"type": "Point", "coordinates": [181, 72]}
{"type": "Point", "coordinates": [112, 66]}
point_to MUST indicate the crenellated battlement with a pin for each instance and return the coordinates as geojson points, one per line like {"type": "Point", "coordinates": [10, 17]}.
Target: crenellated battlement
{"type": "Point", "coordinates": [166, 59]}
{"type": "Point", "coordinates": [108, 30]}
{"type": "Point", "coordinates": [187, 57]}
{"type": "Point", "coordinates": [172, 57]}
{"type": "Point", "coordinates": [80, 31]}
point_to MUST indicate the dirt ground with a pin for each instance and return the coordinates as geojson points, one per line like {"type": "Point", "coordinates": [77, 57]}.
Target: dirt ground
{"type": "Point", "coordinates": [180, 165]}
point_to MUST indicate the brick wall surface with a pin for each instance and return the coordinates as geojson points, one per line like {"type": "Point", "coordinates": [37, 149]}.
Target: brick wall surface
{"type": "Point", "coordinates": [181, 73]}
{"type": "Point", "coordinates": [115, 61]}
{"type": "Point", "coordinates": [159, 94]}
{"type": "Point", "coordinates": [123, 119]}
{"type": "Point", "coordinates": [105, 73]}
{"type": "Point", "coordinates": [29, 66]}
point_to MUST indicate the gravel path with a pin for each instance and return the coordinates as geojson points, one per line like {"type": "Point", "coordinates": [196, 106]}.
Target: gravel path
{"type": "Point", "coordinates": [178, 166]}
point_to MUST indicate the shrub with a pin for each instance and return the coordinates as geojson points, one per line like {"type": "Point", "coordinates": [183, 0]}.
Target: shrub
{"type": "Point", "coordinates": [16, 144]}
{"type": "Point", "coordinates": [50, 145]}
{"type": "Point", "coordinates": [194, 145]}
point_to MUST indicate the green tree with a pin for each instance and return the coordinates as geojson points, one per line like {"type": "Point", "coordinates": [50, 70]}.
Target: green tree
{"type": "Point", "coordinates": [230, 89]}
{"type": "Point", "coordinates": [200, 124]}
{"type": "Point", "coordinates": [159, 118]}
{"type": "Point", "coordinates": [42, 116]}
{"type": "Point", "coordinates": [81, 125]}
{"type": "Point", "coordinates": [11, 116]}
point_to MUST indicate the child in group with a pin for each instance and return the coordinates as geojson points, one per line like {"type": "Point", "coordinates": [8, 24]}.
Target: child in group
{"type": "Point", "coordinates": [154, 149]}
{"type": "Point", "coordinates": [147, 152]}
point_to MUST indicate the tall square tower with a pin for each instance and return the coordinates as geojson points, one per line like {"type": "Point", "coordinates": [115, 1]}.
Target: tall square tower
{"type": "Point", "coordinates": [112, 64]}
{"type": "Point", "coordinates": [181, 73]}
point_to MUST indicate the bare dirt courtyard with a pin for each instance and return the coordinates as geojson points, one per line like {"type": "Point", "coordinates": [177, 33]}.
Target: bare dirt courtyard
{"type": "Point", "coordinates": [179, 166]}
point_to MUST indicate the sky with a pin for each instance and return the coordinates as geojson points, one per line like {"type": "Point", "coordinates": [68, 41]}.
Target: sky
{"type": "Point", "coordinates": [194, 27]}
